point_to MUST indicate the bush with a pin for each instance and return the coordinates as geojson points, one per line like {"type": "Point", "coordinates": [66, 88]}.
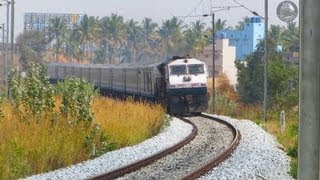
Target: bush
{"type": "Point", "coordinates": [77, 96]}
{"type": "Point", "coordinates": [33, 92]}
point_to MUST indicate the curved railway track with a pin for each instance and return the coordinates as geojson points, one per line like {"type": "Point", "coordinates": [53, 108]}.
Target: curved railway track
{"type": "Point", "coordinates": [196, 172]}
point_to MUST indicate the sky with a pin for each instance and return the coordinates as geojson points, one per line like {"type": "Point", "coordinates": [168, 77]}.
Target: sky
{"type": "Point", "coordinates": [158, 10]}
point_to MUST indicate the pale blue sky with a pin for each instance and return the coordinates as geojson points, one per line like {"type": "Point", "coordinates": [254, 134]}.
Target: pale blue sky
{"type": "Point", "coordinates": [138, 9]}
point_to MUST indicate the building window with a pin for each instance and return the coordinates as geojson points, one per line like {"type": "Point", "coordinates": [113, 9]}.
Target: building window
{"type": "Point", "coordinates": [248, 24]}
{"type": "Point", "coordinates": [231, 35]}
{"type": "Point", "coordinates": [245, 35]}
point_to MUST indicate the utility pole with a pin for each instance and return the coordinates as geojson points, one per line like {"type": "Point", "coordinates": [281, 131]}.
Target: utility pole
{"type": "Point", "coordinates": [12, 33]}
{"type": "Point", "coordinates": [265, 92]}
{"type": "Point", "coordinates": [309, 91]}
{"type": "Point", "coordinates": [213, 51]}
{"type": "Point", "coordinates": [7, 47]}
{"type": "Point", "coordinates": [2, 49]}
{"type": "Point", "coordinates": [213, 65]}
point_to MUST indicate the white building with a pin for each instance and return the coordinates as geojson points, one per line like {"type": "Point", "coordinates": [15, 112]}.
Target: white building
{"type": "Point", "coordinates": [225, 57]}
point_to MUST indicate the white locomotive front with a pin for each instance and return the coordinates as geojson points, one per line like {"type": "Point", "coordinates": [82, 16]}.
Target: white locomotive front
{"type": "Point", "coordinates": [186, 81]}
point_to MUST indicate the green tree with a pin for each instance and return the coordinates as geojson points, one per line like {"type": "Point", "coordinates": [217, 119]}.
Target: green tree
{"type": "Point", "coordinates": [251, 77]}
{"type": "Point", "coordinates": [150, 45]}
{"type": "Point", "coordinates": [84, 33]}
{"type": "Point", "coordinates": [195, 39]}
{"type": "Point", "coordinates": [290, 38]}
{"type": "Point", "coordinates": [32, 46]}
{"type": "Point", "coordinates": [241, 24]}
{"type": "Point", "coordinates": [274, 33]}
{"type": "Point", "coordinates": [132, 41]}
{"type": "Point", "coordinates": [112, 36]}
{"type": "Point", "coordinates": [171, 34]}
{"type": "Point", "coordinates": [220, 24]}
{"type": "Point", "coordinates": [56, 33]}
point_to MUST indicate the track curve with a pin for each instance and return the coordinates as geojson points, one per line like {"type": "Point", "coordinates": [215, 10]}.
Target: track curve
{"type": "Point", "coordinates": [144, 162]}
{"type": "Point", "coordinates": [202, 169]}
{"type": "Point", "coordinates": [219, 158]}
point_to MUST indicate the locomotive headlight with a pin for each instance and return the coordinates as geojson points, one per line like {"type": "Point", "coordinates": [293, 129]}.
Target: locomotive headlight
{"type": "Point", "coordinates": [186, 78]}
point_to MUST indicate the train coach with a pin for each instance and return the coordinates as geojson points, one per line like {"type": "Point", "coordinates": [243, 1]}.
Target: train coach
{"type": "Point", "coordinates": [180, 83]}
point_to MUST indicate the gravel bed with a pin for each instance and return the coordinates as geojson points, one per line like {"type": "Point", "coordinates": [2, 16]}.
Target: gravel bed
{"type": "Point", "coordinates": [213, 137]}
{"type": "Point", "coordinates": [175, 132]}
{"type": "Point", "coordinates": [256, 157]}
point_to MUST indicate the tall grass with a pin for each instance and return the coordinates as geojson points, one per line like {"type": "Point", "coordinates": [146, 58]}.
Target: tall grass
{"type": "Point", "coordinates": [31, 146]}
{"type": "Point", "coordinates": [128, 122]}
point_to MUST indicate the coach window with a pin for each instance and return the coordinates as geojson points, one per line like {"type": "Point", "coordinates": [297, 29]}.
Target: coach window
{"type": "Point", "coordinates": [196, 69]}
{"type": "Point", "coordinates": [178, 69]}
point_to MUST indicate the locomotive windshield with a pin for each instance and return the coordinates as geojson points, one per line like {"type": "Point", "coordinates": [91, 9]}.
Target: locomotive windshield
{"type": "Point", "coordinates": [196, 69]}
{"type": "Point", "coordinates": [178, 69]}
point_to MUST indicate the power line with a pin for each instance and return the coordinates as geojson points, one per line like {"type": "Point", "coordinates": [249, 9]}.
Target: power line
{"type": "Point", "coordinates": [194, 10]}
{"type": "Point", "coordinates": [252, 11]}
{"type": "Point", "coordinates": [219, 8]}
{"type": "Point", "coordinates": [146, 36]}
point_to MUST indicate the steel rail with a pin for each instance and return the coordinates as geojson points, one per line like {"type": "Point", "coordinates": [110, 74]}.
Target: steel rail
{"type": "Point", "coordinates": [193, 175]}
{"type": "Point", "coordinates": [221, 156]}
{"type": "Point", "coordinates": [144, 162]}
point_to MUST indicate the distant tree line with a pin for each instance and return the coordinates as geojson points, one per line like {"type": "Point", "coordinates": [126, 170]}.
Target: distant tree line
{"type": "Point", "coordinates": [111, 39]}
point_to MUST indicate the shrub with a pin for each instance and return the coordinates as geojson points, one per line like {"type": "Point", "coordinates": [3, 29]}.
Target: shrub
{"type": "Point", "coordinates": [33, 92]}
{"type": "Point", "coordinates": [77, 96]}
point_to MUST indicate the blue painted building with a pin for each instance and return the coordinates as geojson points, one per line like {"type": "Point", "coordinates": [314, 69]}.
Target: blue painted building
{"type": "Point", "coordinates": [244, 40]}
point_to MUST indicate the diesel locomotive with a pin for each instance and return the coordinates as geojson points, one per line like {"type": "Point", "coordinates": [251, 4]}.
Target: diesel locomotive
{"type": "Point", "coordinates": [179, 83]}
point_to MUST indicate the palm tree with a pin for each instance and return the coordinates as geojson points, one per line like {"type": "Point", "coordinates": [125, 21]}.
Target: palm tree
{"type": "Point", "coordinates": [150, 44]}
{"type": "Point", "coordinates": [56, 33]}
{"type": "Point", "coordinates": [240, 25]}
{"type": "Point", "coordinates": [274, 34]}
{"type": "Point", "coordinates": [170, 33]}
{"type": "Point", "coordinates": [195, 39]}
{"type": "Point", "coordinates": [220, 24]}
{"type": "Point", "coordinates": [112, 35]}
{"type": "Point", "coordinates": [85, 35]}
{"type": "Point", "coordinates": [290, 38]}
{"type": "Point", "coordinates": [133, 37]}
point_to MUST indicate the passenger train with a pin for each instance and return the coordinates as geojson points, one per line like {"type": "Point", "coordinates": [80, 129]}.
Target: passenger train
{"type": "Point", "coordinates": [179, 83]}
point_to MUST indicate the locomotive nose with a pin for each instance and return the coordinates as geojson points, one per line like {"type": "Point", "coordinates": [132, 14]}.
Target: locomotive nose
{"type": "Point", "coordinates": [186, 79]}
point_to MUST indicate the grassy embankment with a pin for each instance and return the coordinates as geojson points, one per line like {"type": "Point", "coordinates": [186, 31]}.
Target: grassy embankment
{"type": "Point", "coordinates": [227, 103]}
{"type": "Point", "coordinates": [31, 145]}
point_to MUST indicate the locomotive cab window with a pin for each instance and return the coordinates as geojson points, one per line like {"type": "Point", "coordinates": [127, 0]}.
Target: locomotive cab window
{"type": "Point", "coordinates": [196, 69]}
{"type": "Point", "coordinates": [178, 70]}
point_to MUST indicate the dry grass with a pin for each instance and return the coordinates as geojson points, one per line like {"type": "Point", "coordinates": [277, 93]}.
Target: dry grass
{"type": "Point", "coordinates": [128, 123]}
{"type": "Point", "coordinates": [29, 147]}
{"type": "Point", "coordinates": [255, 113]}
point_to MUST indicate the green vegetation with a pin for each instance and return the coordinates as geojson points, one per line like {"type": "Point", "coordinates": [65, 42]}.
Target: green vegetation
{"type": "Point", "coordinates": [45, 127]}
{"type": "Point", "coordinates": [247, 102]}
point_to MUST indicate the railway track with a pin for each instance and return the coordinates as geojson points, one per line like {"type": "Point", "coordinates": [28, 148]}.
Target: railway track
{"type": "Point", "coordinates": [188, 159]}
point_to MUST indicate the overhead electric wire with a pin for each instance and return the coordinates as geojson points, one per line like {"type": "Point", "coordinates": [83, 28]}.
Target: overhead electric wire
{"type": "Point", "coordinates": [252, 11]}
{"type": "Point", "coordinates": [194, 9]}
{"type": "Point", "coordinates": [147, 36]}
